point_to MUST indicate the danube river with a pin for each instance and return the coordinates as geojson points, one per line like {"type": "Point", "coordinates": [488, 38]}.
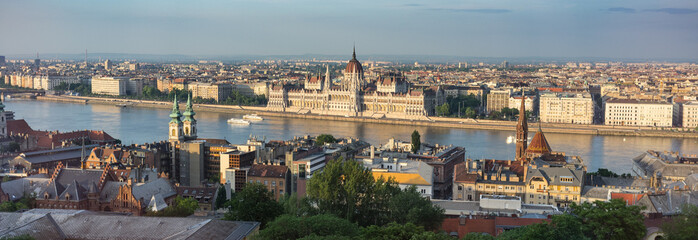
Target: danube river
{"type": "Point", "coordinates": [141, 125]}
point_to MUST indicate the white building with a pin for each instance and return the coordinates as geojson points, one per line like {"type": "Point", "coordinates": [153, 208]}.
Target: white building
{"type": "Point", "coordinates": [632, 112]}
{"type": "Point", "coordinates": [515, 103]}
{"type": "Point", "coordinates": [566, 108]}
{"type": "Point", "coordinates": [116, 86]}
{"type": "Point", "coordinates": [686, 114]}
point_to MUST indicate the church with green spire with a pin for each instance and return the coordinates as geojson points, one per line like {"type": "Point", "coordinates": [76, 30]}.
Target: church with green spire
{"type": "Point", "coordinates": [182, 130]}
{"type": "Point", "coordinates": [189, 122]}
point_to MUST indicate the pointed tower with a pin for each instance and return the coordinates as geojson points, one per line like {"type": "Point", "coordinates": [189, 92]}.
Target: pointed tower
{"type": "Point", "coordinates": [521, 131]}
{"type": "Point", "coordinates": [328, 79]}
{"type": "Point", "coordinates": [175, 124]}
{"type": "Point", "coordinates": [189, 122]}
{"type": "Point", "coordinates": [3, 119]}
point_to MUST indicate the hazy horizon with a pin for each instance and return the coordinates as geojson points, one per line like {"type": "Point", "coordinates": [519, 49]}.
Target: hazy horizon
{"type": "Point", "coordinates": [622, 29]}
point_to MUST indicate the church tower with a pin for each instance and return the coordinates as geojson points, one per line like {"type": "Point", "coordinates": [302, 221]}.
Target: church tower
{"type": "Point", "coordinates": [175, 124]}
{"type": "Point", "coordinates": [189, 122]}
{"type": "Point", "coordinates": [522, 131]}
{"type": "Point", "coordinates": [3, 119]}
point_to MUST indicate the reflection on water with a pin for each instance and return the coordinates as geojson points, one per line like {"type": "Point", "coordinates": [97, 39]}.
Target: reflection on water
{"type": "Point", "coordinates": [140, 125]}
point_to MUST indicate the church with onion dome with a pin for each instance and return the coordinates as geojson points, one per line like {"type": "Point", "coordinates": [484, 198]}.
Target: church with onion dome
{"type": "Point", "coordinates": [390, 96]}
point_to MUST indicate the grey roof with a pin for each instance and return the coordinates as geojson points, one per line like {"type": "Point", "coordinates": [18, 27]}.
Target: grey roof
{"type": "Point", "coordinates": [159, 186]}
{"type": "Point", "coordinates": [25, 186]}
{"type": "Point", "coordinates": [83, 177]}
{"type": "Point", "coordinates": [146, 191]}
{"type": "Point", "coordinates": [36, 226]}
{"type": "Point", "coordinates": [157, 203]}
{"type": "Point", "coordinates": [692, 182]}
{"type": "Point", "coordinates": [53, 155]}
{"type": "Point", "coordinates": [553, 175]}
{"type": "Point", "coordinates": [625, 182]}
{"type": "Point", "coordinates": [595, 192]}
{"type": "Point", "coordinates": [651, 164]}
{"type": "Point", "coordinates": [670, 202]}
{"type": "Point", "coordinates": [79, 224]}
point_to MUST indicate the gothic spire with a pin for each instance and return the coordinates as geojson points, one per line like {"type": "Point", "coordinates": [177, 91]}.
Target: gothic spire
{"type": "Point", "coordinates": [353, 54]}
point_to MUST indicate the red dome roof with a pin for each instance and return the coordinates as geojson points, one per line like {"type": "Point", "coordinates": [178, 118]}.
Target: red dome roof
{"type": "Point", "coordinates": [539, 144]}
{"type": "Point", "coordinates": [354, 65]}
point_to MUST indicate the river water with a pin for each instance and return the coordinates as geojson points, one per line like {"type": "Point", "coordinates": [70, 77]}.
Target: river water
{"type": "Point", "coordinates": [142, 125]}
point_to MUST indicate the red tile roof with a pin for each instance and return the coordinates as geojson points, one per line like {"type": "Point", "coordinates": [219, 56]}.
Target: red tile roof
{"type": "Point", "coordinates": [18, 126]}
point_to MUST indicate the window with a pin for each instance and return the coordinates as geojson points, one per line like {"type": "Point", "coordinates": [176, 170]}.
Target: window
{"type": "Point", "coordinates": [532, 187]}
{"type": "Point", "coordinates": [266, 182]}
{"type": "Point", "coordinates": [273, 183]}
{"type": "Point", "coordinates": [531, 195]}
{"type": "Point", "coordinates": [460, 187]}
{"type": "Point", "coordinates": [281, 183]}
{"type": "Point", "coordinates": [423, 191]}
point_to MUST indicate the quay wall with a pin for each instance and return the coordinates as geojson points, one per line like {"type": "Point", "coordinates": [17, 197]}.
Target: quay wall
{"type": "Point", "coordinates": [601, 130]}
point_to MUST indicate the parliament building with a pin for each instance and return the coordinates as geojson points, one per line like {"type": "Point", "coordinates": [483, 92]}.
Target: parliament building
{"type": "Point", "coordinates": [390, 96]}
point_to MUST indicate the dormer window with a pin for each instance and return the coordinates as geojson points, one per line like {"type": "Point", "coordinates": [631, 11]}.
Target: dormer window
{"type": "Point", "coordinates": [67, 196]}
{"type": "Point", "coordinates": [46, 195]}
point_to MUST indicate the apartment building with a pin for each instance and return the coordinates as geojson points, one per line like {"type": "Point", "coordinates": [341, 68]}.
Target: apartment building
{"type": "Point", "coordinates": [515, 102]}
{"type": "Point", "coordinates": [215, 91]}
{"type": "Point", "coordinates": [633, 112]}
{"type": "Point", "coordinates": [686, 114]}
{"type": "Point", "coordinates": [117, 86]}
{"type": "Point", "coordinates": [498, 99]}
{"type": "Point", "coordinates": [566, 108]}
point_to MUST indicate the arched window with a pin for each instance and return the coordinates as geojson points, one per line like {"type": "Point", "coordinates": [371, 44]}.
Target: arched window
{"type": "Point", "coordinates": [173, 132]}
{"type": "Point", "coordinates": [186, 130]}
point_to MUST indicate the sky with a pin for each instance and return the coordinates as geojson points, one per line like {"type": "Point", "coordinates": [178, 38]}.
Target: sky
{"type": "Point", "coordinates": [649, 29]}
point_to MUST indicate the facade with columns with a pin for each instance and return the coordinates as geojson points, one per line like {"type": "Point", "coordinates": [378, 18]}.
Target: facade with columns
{"type": "Point", "coordinates": [390, 96]}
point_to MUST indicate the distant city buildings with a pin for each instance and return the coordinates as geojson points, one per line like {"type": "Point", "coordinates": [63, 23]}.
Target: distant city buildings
{"type": "Point", "coordinates": [498, 99]}
{"type": "Point", "coordinates": [390, 96]}
{"type": "Point", "coordinates": [216, 91]}
{"type": "Point", "coordinates": [566, 107]}
{"type": "Point", "coordinates": [117, 86]}
{"type": "Point", "coordinates": [633, 112]}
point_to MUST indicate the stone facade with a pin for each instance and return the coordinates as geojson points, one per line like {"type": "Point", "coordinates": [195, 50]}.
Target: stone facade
{"type": "Point", "coordinates": [389, 97]}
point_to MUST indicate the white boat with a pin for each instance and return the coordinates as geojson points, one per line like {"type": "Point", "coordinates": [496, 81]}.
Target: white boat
{"type": "Point", "coordinates": [252, 117]}
{"type": "Point", "coordinates": [238, 121]}
{"type": "Point", "coordinates": [510, 139]}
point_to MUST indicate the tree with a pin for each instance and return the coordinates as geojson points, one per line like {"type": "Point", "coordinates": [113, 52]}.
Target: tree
{"type": "Point", "coordinates": [416, 141]}
{"type": "Point", "coordinates": [610, 220]}
{"type": "Point", "coordinates": [563, 226]}
{"type": "Point", "coordinates": [221, 198]}
{"type": "Point", "coordinates": [470, 113]}
{"type": "Point", "coordinates": [322, 226]}
{"type": "Point", "coordinates": [181, 207]}
{"type": "Point", "coordinates": [253, 203]}
{"type": "Point", "coordinates": [298, 207]}
{"type": "Point", "coordinates": [394, 231]}
{"type": "Point", "coordinates": [683, 226]}
{"type": "Point", "coordinates": [443, 110]}
{"type": "Point", "coordinates": [324, 138]}
{"type": "Point", "coordinates": [408, 206]}
{"type": "Point", "coordinates": [348, 190]}
{"type": "Point", "coordinates": [477, 236]}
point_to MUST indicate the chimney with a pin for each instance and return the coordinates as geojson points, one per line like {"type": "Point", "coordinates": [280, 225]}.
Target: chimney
{"type": "Point", "coordinates": [129, 182]}
{"type": "Point", "coordinates": [373, 151]}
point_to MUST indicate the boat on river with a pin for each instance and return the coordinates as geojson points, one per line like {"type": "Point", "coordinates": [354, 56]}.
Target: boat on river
{"type": "Point", "coordinates": [237, 121]}
{"type": "Point", "coordinates": [252, 117]}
